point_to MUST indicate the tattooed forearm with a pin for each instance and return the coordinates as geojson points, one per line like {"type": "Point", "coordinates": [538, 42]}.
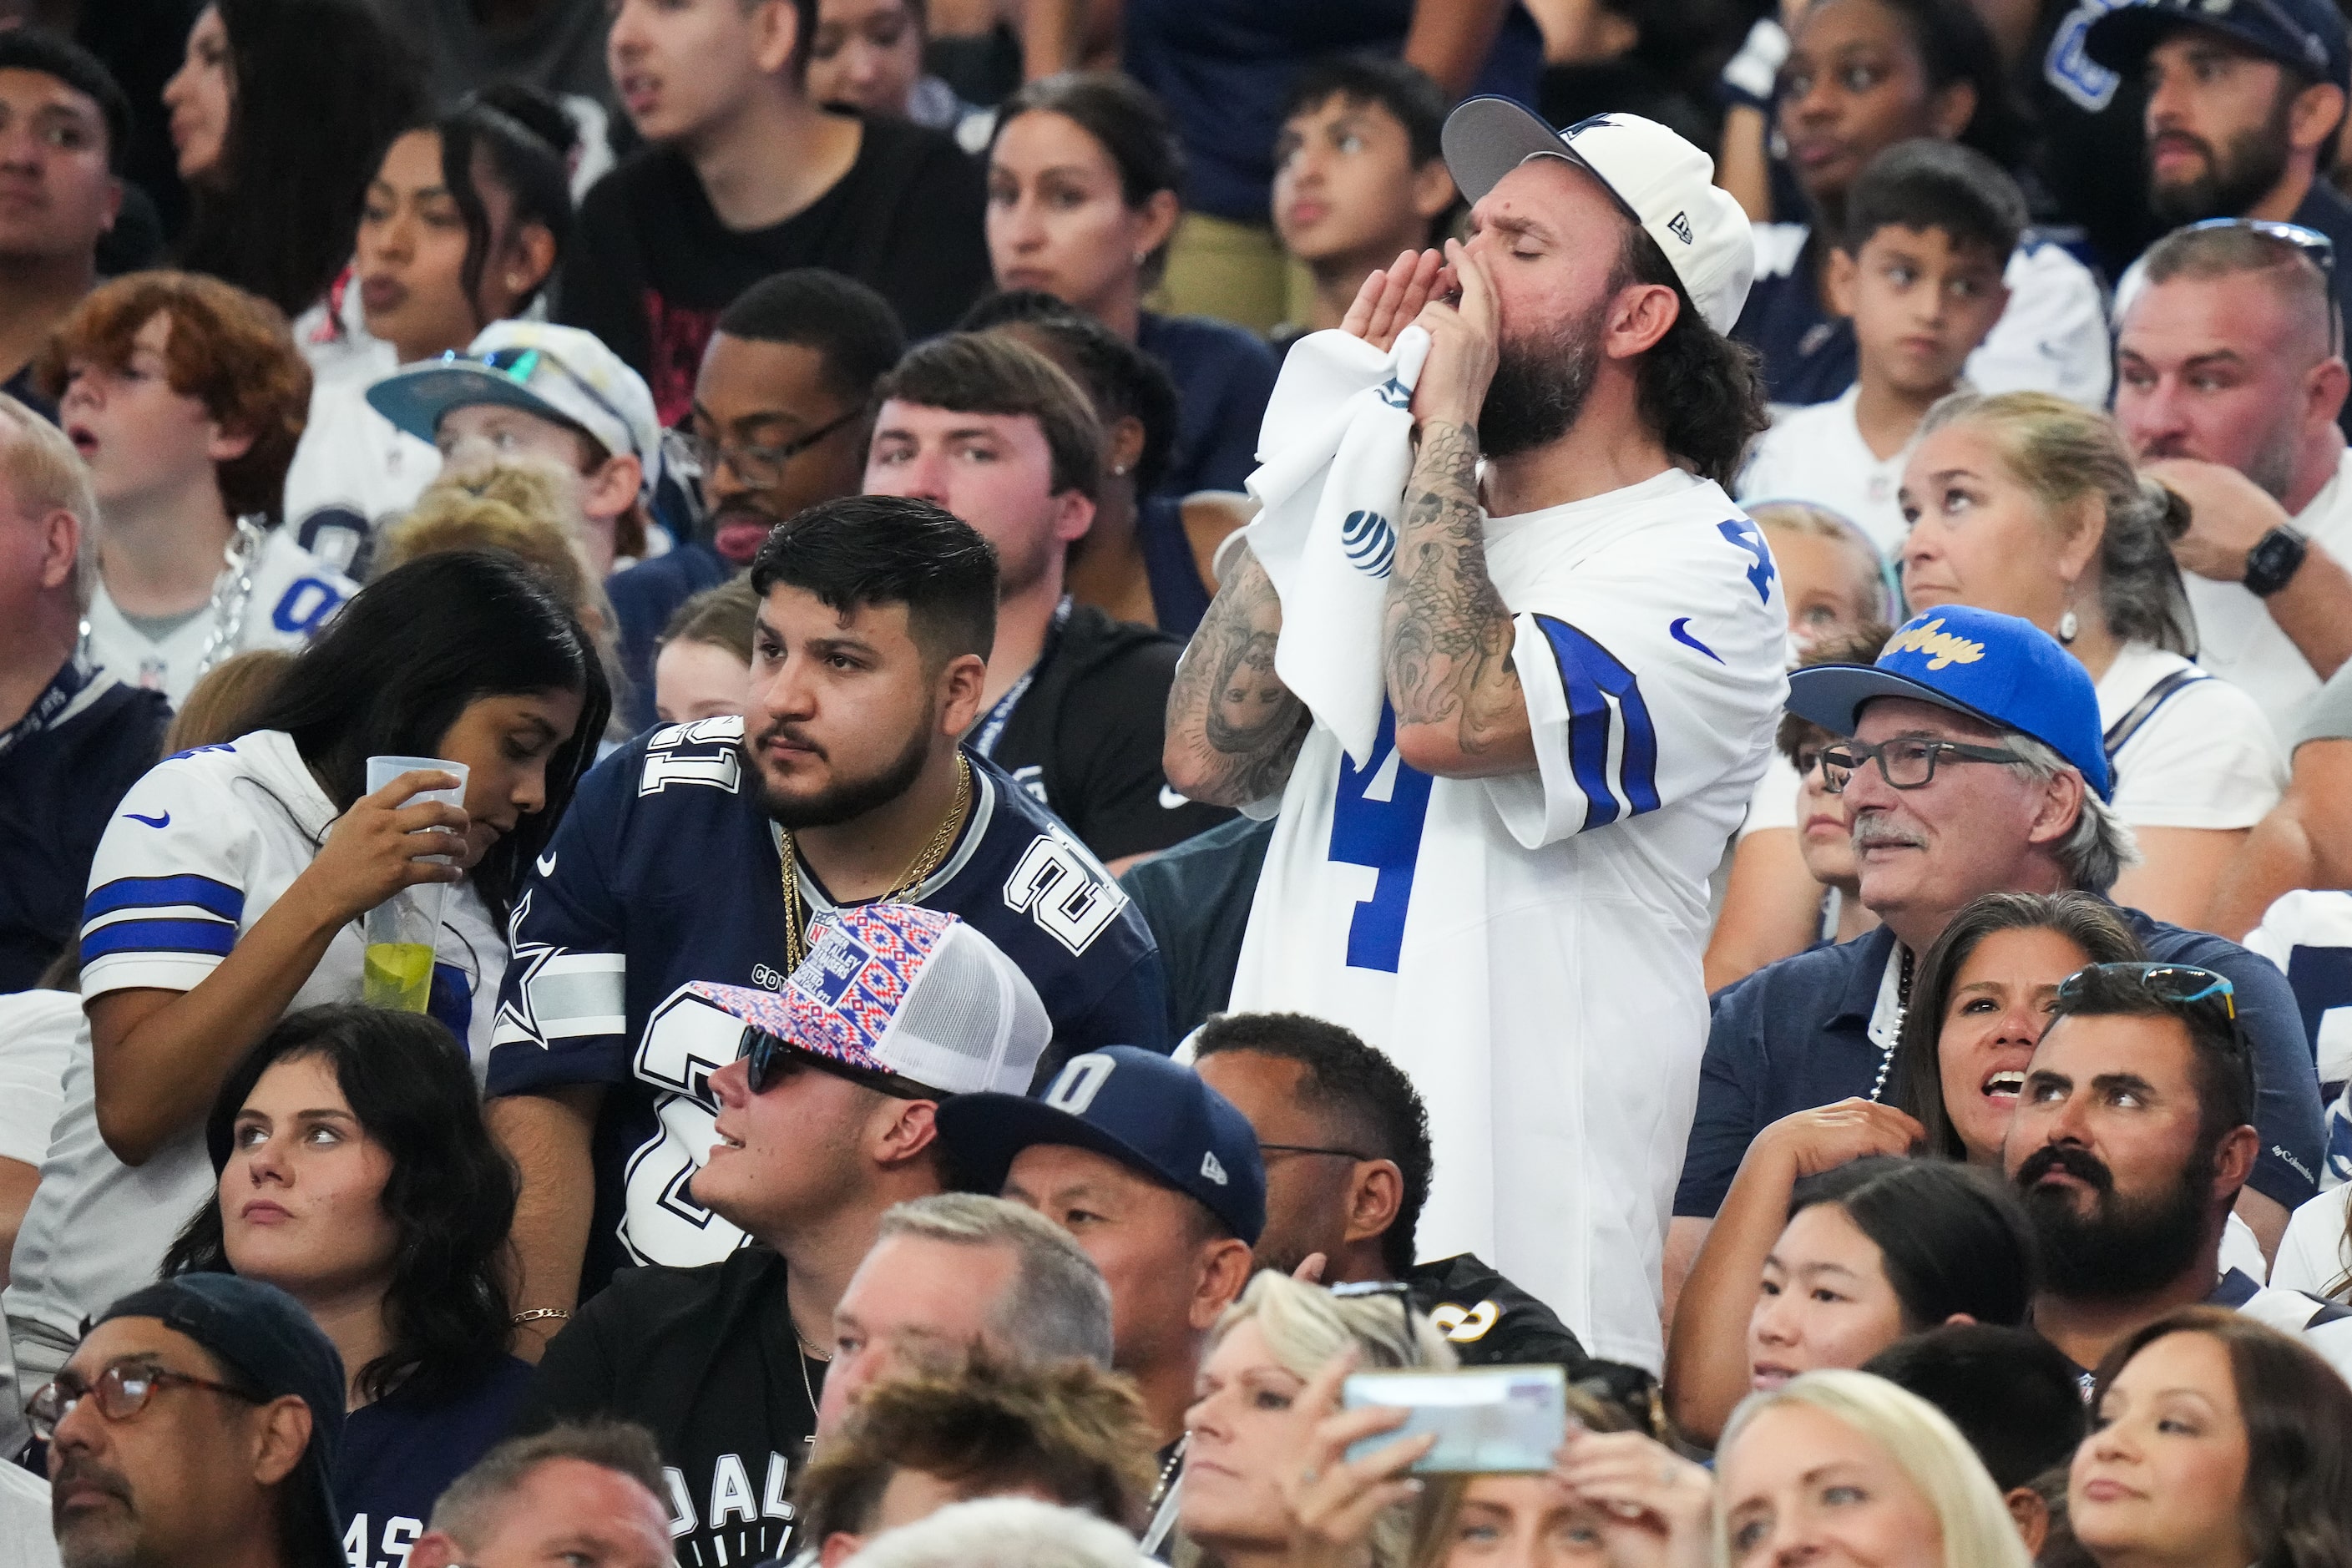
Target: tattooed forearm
{"type": "Point", "coordinates": [1447, 635]}
{"type": "Point", "coordinates": [1233, 729]}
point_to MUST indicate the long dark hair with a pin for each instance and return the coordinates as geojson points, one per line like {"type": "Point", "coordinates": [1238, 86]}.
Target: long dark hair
{"type": "Point", "coordinates": [1131, 124]}
{"type": "Point", "coordinates": [2296, 1506]}
{"type": "Point", "coordinates": [451, 1194]}
{"type": "Point", "coordinates": [1950, 1239]}
{"type": "Point", "coordinates": [524, 163]}
{"type": "Point", "coordinates": [321, 88]}
{"type": "Point", "coordinates": [2087, 920]}
{"type": "Point", "coordinates": [398, 664]}
{"type": "Point", "coordinates": [1701, 394]}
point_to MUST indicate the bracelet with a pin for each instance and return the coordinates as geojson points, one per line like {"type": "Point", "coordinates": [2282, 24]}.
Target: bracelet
{"type": "Point", "coordinates": [537, 1313]}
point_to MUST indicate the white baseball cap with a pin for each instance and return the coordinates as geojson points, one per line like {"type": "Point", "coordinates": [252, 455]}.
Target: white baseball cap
{"type": "Point", "coordinates": [1664, 182]}
{"type": "Point", "coordinates": [559, 373]}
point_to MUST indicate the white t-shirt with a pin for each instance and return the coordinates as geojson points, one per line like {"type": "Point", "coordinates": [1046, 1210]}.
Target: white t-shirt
{"type": "Point", "coordinates": [353, 471]}
{"type": "Point", "coordinates": [2237, 639]}
{"type": "Point", "coordinates": [2052, 336]}
{"type": "Point", "coordinates": [198, 850]}
{"type": "Point", "coordinates": [2205, 757]}
{"type": "Point", "coordinates": [37, 1035]}
{"type": "Point", "coordinates": [26, 1540]}
{"type": "Point", "coordinates": [293, 594]}
{"type": "Point", "coordinates": [1527, 947]}
{"type": "Point", "coordinates": [2312, 1255]}
{"type": "Point", "coordinates": [1815, 453]}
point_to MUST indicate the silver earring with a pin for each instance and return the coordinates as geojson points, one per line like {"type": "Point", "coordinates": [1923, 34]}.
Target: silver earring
{"type": "Point", "coordinates": [2068, 626]}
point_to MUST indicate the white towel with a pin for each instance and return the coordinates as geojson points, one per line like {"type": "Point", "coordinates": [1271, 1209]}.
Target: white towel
{"type": "Point", "coordinates": [1335, 451]}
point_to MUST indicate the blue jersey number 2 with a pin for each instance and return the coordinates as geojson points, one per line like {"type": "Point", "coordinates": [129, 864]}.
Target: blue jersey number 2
{"type": "Point", "coordinates": [1381, 831]}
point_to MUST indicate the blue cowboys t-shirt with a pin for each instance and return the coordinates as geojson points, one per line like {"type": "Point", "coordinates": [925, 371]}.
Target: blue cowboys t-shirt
{"type": "Point", "coordinates": [666, 871]}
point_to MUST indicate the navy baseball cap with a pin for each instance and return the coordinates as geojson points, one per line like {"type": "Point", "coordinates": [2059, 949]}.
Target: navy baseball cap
{"type": "Point", "coordinates": [2307, 35]}
{"type": "Point", "coordinates": [1134, 1106]}
{"type": "Point", "coordinates": [1996, 668]}
{"type": "Point", "coordinates": [266, 1340]}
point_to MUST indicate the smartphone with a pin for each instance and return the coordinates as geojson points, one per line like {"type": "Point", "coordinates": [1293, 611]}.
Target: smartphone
{"type": "Point", "coordinates": [1489, 1420]}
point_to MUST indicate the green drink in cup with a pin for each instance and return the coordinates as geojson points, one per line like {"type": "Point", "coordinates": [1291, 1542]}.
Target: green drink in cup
{"type": "Point", "coordinates": [401, 932]}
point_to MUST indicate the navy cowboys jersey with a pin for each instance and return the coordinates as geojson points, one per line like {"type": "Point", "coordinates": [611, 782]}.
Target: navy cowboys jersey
{"type": "Point", "coordinates": [666, 871]}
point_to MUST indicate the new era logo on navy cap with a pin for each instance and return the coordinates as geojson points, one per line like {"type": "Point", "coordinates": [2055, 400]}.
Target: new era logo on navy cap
{"type": "Point", "coordinates": [2006, 671]}
{"type": "Point", "coordinates": [1136, 1107]}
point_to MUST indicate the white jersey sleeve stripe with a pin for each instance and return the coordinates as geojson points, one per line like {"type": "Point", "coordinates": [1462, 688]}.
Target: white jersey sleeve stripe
{"type": "Point", "coordinates": [576, 994]}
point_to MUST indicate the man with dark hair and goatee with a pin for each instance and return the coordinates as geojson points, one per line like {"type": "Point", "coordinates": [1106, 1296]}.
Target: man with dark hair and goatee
{"type": "Point", "coordinates": [2132, 1137]}
{"type": "Point", "coordinates": [701, 852]}
{"type": "Point", "coordinates": [1492, 859]}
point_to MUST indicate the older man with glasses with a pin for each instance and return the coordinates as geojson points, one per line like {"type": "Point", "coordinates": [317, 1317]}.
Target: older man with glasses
{"type": "Point", "coordinates": [1974, 766]}
{"type": "Point", "coordinates": [197, 1426]}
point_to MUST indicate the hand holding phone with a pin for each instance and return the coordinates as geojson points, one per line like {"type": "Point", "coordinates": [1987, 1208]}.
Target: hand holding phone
{"type": "Point", "coordinates": [1488, 1420]}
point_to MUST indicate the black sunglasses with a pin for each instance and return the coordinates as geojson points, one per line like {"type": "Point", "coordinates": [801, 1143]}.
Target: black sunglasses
{"type": "Point", "coordinates": [2173, 984]}
{"type": "Point", "coordinates": [2314, 248]}
{"type": "Point", "coordinates": [769, 1059]}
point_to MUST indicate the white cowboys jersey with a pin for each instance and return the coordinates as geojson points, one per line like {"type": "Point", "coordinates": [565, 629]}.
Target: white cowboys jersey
{"type": "Point", "coordinates": [293, 594]}
{"type": "Point", "coordinates": [1527, 947]}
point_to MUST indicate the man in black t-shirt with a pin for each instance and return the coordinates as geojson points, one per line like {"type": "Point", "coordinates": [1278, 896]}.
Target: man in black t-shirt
{"type": "Point", "coordinates": [825, 1122]}
{"type": "Point", "coordinates": [746, 175]}
{"type": "Point", "coordinates": [1345, 1139]}
{"type": "Point", "coordinates": [984, 425]}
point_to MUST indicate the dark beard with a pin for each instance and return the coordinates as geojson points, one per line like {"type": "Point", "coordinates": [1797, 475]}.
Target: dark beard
{"type": "Point", "coordinates": [2122, 1249]}
{"type": "Point", "coordinates": [2235, 178]}
{"type": "Point", "coordinates": [845, 799]}
{"type": "Point", "coordinates": [1539, 386]}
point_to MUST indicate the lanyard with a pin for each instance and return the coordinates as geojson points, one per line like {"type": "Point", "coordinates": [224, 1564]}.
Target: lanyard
{"type": "Point", "coordinates": [62, 689]}
{"type": "Point", "coordinates": [992, 729]}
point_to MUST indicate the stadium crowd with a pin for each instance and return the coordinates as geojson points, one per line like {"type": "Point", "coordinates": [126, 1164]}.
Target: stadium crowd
{"type": "Point", "coordinates": [1251, 783]}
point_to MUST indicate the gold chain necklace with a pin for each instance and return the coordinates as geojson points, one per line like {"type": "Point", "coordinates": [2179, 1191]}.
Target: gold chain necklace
{"type": "Point", "coordinates": [925, 861]}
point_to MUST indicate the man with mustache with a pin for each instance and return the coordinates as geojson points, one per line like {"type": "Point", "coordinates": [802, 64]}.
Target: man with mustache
{"type": "Point", "coordinates": [2132, 1139]}
{"type": "Point", "coordinates": [2244, 102]}
{"type": "Point", "coordinates": [197, 1425]}
{"type": "Point", "coordinates": [783, 406]}
{"type": "Point", "coordinates": [1976, 766]}
{"type": "Point", "coordinates": [1580, 650]}
{"type": "Point", "coordinates": [2229, 384]}
{"type": "Point", "coordinates": [701, 851]}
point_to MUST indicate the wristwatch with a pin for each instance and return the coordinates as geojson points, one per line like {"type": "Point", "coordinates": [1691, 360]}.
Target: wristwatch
{"type": "Point", "coordinates": [2275, 557]}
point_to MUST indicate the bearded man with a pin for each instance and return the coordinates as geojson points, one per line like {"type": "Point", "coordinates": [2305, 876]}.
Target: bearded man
{"type": "Point", "coordinates": [1582, 667]}
{"type": "Point", "coordinates": [702, 851]}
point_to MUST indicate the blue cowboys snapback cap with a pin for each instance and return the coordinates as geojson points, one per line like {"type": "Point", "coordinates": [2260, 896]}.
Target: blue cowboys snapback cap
{"type": "Point", "coordinates": [1136, 1107]}
{"type": "Point", "coordinates": [1996, 668]}
{"type": "Point", "coordinates": [2306, 36]}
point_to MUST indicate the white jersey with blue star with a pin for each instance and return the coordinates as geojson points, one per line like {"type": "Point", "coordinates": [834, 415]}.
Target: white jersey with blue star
{"type": "Point", "coordinates": [1527, 947]}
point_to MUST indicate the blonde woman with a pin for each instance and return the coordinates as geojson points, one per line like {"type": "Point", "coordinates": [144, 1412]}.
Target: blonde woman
{"type": "Point", "coordinates": [1242, 1441]}
{"type": "Point", "coordinates": [2030, 505]}
{"type": "Point", "coordinates": [1843, 1464]}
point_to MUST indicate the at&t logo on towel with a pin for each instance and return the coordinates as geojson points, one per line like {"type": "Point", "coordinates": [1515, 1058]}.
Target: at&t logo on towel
{"type": "Point", "coordinates": [1369, 542]}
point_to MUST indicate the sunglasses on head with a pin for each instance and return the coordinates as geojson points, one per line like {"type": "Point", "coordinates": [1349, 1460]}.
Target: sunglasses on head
{"type": "Point", "coordinates": [2173, 984]}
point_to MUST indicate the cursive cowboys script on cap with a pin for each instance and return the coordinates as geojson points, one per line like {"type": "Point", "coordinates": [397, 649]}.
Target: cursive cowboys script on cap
{"type": "Point", "coordinates": [1940, 645]}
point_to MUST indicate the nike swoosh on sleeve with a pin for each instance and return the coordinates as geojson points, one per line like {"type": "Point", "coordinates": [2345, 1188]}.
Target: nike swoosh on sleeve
{"type": "Point", "coordinates": [163, 821]}
{"type": "Point", "coordinates": [1169, 799]}
{"type": "Point", "coordinates": [546, 864]}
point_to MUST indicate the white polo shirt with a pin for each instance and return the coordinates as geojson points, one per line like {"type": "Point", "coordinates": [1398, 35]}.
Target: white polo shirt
{"type": "Point", "coordinates": [2237, 638]}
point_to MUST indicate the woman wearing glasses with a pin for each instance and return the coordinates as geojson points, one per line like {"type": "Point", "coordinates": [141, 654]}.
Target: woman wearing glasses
{"type": "Point", "coordinates": [463, 224]}
{"type": "Point", "coordinates": [354, 1173]}
{"type": "Point", "coordinates": [2030, 505]}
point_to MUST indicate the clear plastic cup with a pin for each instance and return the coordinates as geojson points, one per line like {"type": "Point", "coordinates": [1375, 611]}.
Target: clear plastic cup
{"type": "Point", "coordinates": [401, 932]}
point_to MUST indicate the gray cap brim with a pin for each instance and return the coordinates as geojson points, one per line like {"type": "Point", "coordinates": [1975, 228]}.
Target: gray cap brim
{"type": "Point", "coordinates": [1486, 138]}
{"type": "Point", "coordinates": [1831, 695]}
{"type": "Point", "coordinates": [416, 399]}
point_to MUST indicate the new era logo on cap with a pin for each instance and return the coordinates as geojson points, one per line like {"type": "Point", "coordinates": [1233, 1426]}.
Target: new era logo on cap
{"type": "Point", "coordinates": [1211, 1169]}
{"type": "Point", "coordinates": [1679, 225]}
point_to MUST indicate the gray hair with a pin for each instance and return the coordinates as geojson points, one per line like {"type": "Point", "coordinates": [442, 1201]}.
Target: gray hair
{"type": "Point", "coordinates": [1003, 1532]}
{"type": "Point", "coordinates": [466, 1511]}
{"type": "Point", "coordinates": [46, 475]}
{"type": "Point", "coordinates": [2100, 846]}
{"type": "Point", "coordinates": [1058, 1306]}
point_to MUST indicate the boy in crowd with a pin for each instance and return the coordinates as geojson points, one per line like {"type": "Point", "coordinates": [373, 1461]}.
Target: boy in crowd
{"type": "Point", "coordinates": [1929, 229]}
{"type": "Point", "coordinates": [186, 396]}
{"type": "Point", "coordinates": [747, 174]}
{"type": "Point", "coordinates": [987, 427]}
{"type": "Point", "coordinates": [1358, 177]}
{"type": "Point", "coordinates": [67, 126]}
{"type": "Point", "coordinates": [528, 389]}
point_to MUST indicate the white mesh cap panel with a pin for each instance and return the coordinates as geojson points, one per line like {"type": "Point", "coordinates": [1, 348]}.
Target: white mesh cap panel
{"type": "Point", "coordinates": [970, 1021]}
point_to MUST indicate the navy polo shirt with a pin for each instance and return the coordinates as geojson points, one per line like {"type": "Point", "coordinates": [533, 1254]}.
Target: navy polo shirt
{"type": "Point", "coordinates": [1796, 1035]}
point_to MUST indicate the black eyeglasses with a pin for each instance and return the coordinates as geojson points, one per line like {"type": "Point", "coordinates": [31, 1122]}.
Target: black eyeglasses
{"type": "Point", "coordinates": [2314, 248]}
{"type": "Point", "coordinates": [761, 468]}
{"type": "Point", "coordinates": [122, 1389]}
{"type": "Point", "coordinates": [1264, 1149]}
{"type": "Point", "coordinates": [769, 1060]}
{"type": "Point", "coordinates": [2175, 984]}
{"type": "Point", "coordinates": [1907, 763]}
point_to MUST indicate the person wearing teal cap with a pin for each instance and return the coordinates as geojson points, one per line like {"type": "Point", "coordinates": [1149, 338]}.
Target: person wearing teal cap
{"type": "Point", "coordinates": [1975, 766]}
